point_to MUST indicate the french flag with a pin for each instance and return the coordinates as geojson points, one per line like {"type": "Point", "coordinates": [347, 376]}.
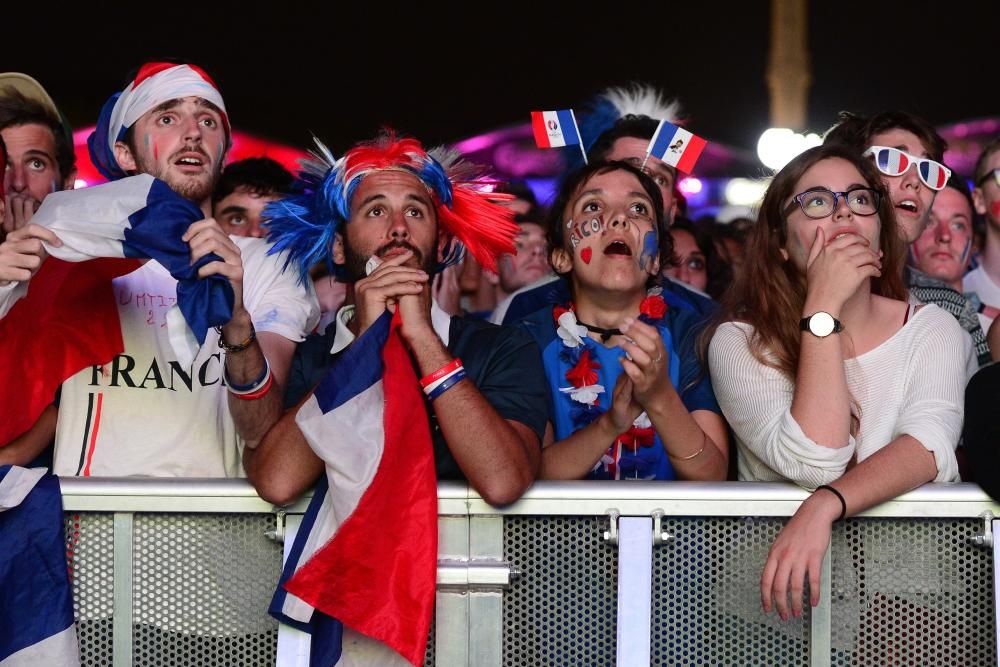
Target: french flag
{"type": "Point", "coordinates": [139, 217]}
{"type": "Point", "coordinates": [676, 146]}
{"type": "Point", "coordinates": [365, 556]}
{"type": "Point", "coordinates": [36, 601]}
{"type": "Point", "coordinates": [555, 129]}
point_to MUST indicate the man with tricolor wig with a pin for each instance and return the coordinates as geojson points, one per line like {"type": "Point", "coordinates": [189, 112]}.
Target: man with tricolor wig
{"type": "Point", "coordinates": [208, 323]}
{"type": "Point", "coordinates": [397, 393]}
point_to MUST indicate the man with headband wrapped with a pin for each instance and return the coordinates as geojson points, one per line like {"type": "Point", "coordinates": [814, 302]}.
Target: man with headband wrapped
{"type": "Point", "coordinates": [388, 215]}
{"type": "Point", "coordinates": [167, 406]}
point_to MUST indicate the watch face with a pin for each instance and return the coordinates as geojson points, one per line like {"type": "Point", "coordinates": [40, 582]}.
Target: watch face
{"type": "Point", "coordinates": [821, 324]}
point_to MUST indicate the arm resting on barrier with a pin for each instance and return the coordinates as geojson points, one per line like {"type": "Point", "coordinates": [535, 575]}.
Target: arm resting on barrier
{"type": "Point", "coordinates": [798, 551]}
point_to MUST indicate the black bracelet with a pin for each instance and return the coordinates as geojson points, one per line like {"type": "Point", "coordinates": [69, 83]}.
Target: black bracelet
{"type": "Point", "coordinates": [843, 503]}
{"type": "Point", "coordinates": [239, 347]}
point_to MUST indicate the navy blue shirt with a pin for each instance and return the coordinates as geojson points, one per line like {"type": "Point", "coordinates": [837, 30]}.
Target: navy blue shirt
{"type": "Point", "coordinates": [503, 362]}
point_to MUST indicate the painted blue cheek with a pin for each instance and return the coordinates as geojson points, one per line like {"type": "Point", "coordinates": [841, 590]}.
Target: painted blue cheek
{"type": "Point", "coordinates": [649, 249]}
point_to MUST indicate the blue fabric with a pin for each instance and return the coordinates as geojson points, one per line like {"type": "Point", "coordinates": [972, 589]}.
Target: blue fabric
{"type": "Point", "coordinates": [679, 329]}
{"type": "Point", "coordinates": [676, 296]}
{"type": "Point", "coordinates": [36, 601]}
{"type": "Point", "coordinates": [155, 232]}
{"type": "Point", "coordinates": [100, 150]}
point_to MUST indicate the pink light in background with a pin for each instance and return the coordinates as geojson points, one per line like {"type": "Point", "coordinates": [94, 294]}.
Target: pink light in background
{"type": "Point", "coordinates": [244, 146]}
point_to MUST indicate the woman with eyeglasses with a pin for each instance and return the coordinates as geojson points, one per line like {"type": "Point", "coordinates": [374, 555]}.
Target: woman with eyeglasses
{"type": "Point", "coordinates": [827, 376]}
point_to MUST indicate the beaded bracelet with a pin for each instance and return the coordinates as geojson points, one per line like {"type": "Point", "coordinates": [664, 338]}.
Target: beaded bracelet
{"type": "Point", "coordinates": [238, 347]}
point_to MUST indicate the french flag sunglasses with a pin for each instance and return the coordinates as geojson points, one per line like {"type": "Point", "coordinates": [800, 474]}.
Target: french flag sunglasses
{"type": "Point", "coordinates": [894, 162]}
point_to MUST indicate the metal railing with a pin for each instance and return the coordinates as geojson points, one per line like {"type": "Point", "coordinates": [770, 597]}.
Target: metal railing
{"type": "Point", "coordinates": [180, 572]}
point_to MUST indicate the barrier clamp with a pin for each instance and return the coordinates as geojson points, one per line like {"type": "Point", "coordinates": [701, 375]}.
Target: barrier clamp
{"type": "Point", "coordinates": [985, 537]}
{"type": "Point", "coordinates": [611, 534]}
{"type": "Point", "coordinates": [660, 536]}
{"type": "Point", "coordinates": [278, 534]}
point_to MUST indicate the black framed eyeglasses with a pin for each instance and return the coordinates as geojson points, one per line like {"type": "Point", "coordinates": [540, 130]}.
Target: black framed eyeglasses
{"type": "Point", "coordinates": [820, 202]}
{"type": "Point", "coordinates": [994, 174]}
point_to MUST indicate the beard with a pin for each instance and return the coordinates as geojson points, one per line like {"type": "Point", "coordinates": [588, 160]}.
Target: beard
{"type": "Point", "coordinates": [196, 188]}
{"type": "Point", "coordinates": [355, 262]}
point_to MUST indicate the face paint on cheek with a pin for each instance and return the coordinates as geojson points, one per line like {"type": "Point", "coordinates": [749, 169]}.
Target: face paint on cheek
{"type": "Point", "coordinates": [586, 254]}
{"type": "Point", "coordinates": [995, 209]}
{"type": "Point", "coordinates": [584, 230]}
{"type": "Point", "coordinates": [965, 252]}
{"type": "Point", "coordinates": [219, 153]}
{"type": "Point", "coordinates": [649, 250]}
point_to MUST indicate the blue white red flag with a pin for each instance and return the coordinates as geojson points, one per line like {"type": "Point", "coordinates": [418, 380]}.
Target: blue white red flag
{"type": "Point", "coordinates": [554, 129]}
{"type": "Point", "coordinates": [345, 571]}
{"type": "Point", "coordinates": [676, 146]}
{"type": "Point", "coordinates": [36, 600]}
{"type": "Point", "coordinates": [933, 174]}
{"type": "Point", "coordinates": [139, 217]}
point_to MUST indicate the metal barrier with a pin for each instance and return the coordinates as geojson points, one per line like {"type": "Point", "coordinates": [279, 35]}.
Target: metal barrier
{"type": "Point", "coordinates": [180, 573]}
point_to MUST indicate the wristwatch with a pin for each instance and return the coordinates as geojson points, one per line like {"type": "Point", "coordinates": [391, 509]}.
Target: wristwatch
{"type": "Point", "coordinates": [821, 324]}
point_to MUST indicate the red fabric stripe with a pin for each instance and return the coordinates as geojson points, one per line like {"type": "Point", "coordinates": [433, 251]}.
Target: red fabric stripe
{"type": "Point", "coordinates": [93, 434]}
{"type": "Point", "coordinates": [68, 321]}
{"type": "Point", "coordinates": [691, 154]}
{"type": "Point", "coordinates": [381, 582]}
{"type": "Point", "coordinates": [150, 69]}
{"type": "Point", "coordinates": [538, 127]}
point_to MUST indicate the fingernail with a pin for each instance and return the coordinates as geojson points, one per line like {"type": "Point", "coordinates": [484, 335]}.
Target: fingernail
{"type": "Point", "coordinates": [784, 616]}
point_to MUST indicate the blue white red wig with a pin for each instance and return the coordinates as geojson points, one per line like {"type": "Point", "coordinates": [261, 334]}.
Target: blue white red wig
{"type": "Point", "coordinates": [306, 225]}
{"type": "Point", "coordinates": [154, 84]}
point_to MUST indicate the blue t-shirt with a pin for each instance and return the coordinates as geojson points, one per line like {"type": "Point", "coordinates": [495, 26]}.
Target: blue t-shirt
{"type": "Point", "coordinates": [645, 458]}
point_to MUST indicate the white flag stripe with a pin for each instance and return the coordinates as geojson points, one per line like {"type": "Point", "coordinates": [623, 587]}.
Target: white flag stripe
{"type": "Point", "coordinates": [556, 137]}
{"type": "Point", "coordinates": [80, 217]}
{"type": "Point", "coordinates": [60, 649]}
{"type": "Point", "coordinates": [673, 156]}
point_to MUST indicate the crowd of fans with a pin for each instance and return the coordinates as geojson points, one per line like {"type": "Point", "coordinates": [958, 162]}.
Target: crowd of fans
{"type": "Point", "coordinates": [603, 335]}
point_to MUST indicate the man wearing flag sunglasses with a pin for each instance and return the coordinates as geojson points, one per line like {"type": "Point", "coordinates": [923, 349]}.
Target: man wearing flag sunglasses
{"type": "Point", "coordinates": [908, 152]}
{"type": "Point", "coordinates": [985, 280]}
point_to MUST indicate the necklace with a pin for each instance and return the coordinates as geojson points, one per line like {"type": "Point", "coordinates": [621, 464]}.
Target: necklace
{"type": "Point", "coordinates": [605, 334]}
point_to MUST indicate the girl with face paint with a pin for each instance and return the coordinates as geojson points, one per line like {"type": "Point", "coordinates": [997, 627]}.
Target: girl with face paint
{"type": "Point", "coordinates": [629, 398]}
{"type": "Point", "coordinates": [829, 377]}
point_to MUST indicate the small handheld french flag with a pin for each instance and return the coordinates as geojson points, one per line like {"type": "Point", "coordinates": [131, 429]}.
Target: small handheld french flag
{"type": "Point", "coordinates": [676, 146]}
{"type": "Point", "coordinates": [555, 129]}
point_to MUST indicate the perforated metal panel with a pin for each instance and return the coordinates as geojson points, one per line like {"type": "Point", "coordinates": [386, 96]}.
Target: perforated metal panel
{"type": "Point", "coordinates": [202, 585]}
{"type": "Point", "coordinates": [563, 610]}
{"type": "Point", "coordinates": [429, 651]}
{"type": "Point", "coordinates": [912, 592]}
{"type": "Point", "coordinates": [706, 597]}
{"type": "Point", "coordinates": [89, 555]}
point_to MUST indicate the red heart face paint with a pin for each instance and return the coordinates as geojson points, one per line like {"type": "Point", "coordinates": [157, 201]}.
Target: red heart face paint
{"type": "Point", "coordinates": [586, 254]}
{"type": "Point", "coordinates": [995, 209]}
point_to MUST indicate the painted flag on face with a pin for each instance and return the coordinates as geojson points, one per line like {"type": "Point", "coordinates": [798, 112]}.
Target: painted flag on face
{"type": "Point", "coordinates": [676, 146]}
{"type": "Point", "coordinates": [367, 421]}
{"type": "Point", "coordinates": [36, 600]}
{"type": "Point", "coordinates": [554, 129]}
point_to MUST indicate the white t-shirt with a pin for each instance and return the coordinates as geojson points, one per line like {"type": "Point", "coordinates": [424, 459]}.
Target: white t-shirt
{"type": "Point", "coordinates": [913, 383]}
{"type": "Point", "coordinates": [148, 414]}
{"type": "Point", "coordinates": [989, 292]}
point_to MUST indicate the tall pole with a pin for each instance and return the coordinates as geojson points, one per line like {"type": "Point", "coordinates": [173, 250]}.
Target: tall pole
{"type": "Point", "coordinates": [788, 70]}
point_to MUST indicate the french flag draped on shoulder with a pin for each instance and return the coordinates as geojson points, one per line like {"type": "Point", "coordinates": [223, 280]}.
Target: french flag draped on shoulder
{"type": "Point", "coordinates": [36, 600]}
{"type": "Point", "coordinates": [365, 556]}
{"type": "Point", "coordinates": [139, 217]}
{"type": "Point", "coordinates": [676, 146]}
{"type": "Point", "coordinates": [555, 129]}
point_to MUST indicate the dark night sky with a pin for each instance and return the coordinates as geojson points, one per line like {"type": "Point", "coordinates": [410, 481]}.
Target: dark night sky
{"type": "Point", "coordinates": [443, 76]}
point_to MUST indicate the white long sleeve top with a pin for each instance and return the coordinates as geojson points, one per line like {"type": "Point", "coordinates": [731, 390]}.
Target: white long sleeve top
{"type": "Point", "coordinates": [911, 384]}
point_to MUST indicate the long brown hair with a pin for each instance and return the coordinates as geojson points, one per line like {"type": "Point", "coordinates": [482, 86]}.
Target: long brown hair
{"type": "Point", "coordinates": [770, 291]}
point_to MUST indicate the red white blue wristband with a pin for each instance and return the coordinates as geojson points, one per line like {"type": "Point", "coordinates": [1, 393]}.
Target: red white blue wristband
{"type": "Point", "coordinates": [446, 384]}
{"type": "Point", "coordinates": [252, 388]}
{"type": "Point", "coordinates": [440, 373]}
{"type": "Point", "coordinates": [428, 388]}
